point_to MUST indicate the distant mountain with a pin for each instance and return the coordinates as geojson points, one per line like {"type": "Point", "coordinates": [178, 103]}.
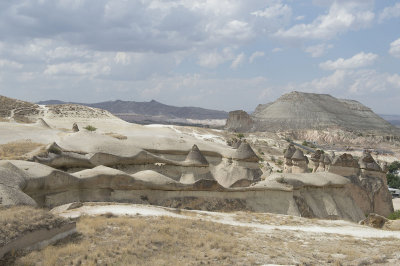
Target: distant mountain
{"type": "Point", "coordinates": [298, 111]}
{"type": "Point", "coordinates": [393, 119]}
{"type": "Point", "coordinates": [155, 112]}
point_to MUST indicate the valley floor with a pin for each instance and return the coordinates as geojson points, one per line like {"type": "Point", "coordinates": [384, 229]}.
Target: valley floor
{"type": "Point", "coordinates": [139, 234]}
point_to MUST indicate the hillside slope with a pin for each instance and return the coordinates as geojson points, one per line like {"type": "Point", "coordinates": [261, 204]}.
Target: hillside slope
{"type": "Point", "coordinates": [298, 111]}
{"type": "Point", "coordinates": [152, 111]}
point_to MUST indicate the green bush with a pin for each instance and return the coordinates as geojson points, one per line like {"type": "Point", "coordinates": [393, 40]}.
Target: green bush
{"type": "Point", "coordinates": [393, 180]}
{"type": "Point", "coordinates": [90, 128]}
{"type": "Point", "coordinates": [305, 143]}
{"type": "Point", "coordinates": [393, 167]}
{"type": "Point", "coordinates": [240, 135]}
{"type": "Point", "coordinates": [279, 162]}
{"type": "Point", "coordinates": [394, 215]}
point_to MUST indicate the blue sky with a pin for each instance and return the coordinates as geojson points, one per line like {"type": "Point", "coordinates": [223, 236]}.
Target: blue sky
{"type": "Point", "coordinates": [220, 54]}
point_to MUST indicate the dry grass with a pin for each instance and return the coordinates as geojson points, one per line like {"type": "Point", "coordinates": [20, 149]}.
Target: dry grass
{"type": "Point", "coordinates": [16, 221]}
{"type": "Point", "coordinates": [4, 119]}
{"type": "Point", "coordinates": [116, 135]}
{"type": "Point", "coordinates": [173, 241]}
{"type": "Point", "coordinates": [18, 149]}
{"type": "Point", "coordinates": [145, 241]}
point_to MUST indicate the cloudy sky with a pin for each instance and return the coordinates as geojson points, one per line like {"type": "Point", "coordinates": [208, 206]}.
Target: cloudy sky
{"type": "Point", "coordinates": [220, 54]}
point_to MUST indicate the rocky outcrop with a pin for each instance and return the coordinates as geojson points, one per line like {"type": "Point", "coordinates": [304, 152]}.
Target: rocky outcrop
{"type": "Point", "coordinates": [298, 111]}
{"type": "Point", "coordinates": [293, 194]}
{"type": "Point", "coordinates": [295, 160]}
{"type": "Point", "coordinates": [75, 127]}
{"type": "Point", "coordinates": [369, 187]}
{"type": "Point", "coordinates": [239, 121]}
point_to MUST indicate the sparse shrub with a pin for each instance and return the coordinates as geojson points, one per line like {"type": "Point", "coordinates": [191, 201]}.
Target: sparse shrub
{"type": "Point", "coordinates": [273, 158]}
{"type": "Point", "coordinates": [279, 162]}
{"type": "Point", "coordinates": [394, 215]}
{"type": "Point", "coordinates": [305, 143]}
{"type": "Point", "coordinates": [279, 171]}
{"type": "Point", "coordinates": [90, 128]}
{"type": "Point", "coordinates": [240, 135]}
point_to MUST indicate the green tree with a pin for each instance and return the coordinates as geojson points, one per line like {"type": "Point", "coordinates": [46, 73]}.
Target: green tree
{"type": "Point", "coordinates": [393, 167]}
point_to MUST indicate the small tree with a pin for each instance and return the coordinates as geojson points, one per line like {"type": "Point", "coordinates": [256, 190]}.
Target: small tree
{"type": "Point", "coordinates": [393, 180]}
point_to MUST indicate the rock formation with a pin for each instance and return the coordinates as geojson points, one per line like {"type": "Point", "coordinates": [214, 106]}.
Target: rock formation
{"type": "Point", "coordinates": [295, 160]}
{"type": "Point", "coordinates": [239, 121]}
{"type": "Point", "coordinates": [75, 127]}
{"type": "Point", "coordinates": [300, 162]}
{"type": "Point", "coordinates": [306, 111]}
{"type": "Point", "coordinates": [369, 188]}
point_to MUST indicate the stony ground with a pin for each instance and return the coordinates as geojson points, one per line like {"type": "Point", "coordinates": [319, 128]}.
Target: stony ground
{"type": "Point", "coordinates": [136, 235]}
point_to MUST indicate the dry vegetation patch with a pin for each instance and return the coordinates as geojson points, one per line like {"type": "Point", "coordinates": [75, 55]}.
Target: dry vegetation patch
{"type": "Point", "coordinates": [18, 149]}
{"type": "Point", "coordinates": [142, 240]}
{"type": "Point", "coordinates": [146, 241]}
{"type": "Point", "coordinates": [16, 221]}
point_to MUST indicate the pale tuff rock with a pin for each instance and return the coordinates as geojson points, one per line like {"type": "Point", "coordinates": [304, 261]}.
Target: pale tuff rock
{"type": "Point", "coordinates": [40, 122]}
{"type": "Point", "coordinates": [239, 121]}
{"type": "Point", "coordinates": [195, 157]}
{"type": "Point", "coordinates": [245, 153]}
{"type": "Point", "coordinates": [75, 127]}
{"type": "Point", "coordinates": [321, 161]}
{"type": "Point", "coordinates": [369, 188]}
{"type": "Point", "coordinates": [295, 160]}
{"type": "Point", "coordinates": [368, 163]}
{"type": "Point", "coordinates": [300, 162]}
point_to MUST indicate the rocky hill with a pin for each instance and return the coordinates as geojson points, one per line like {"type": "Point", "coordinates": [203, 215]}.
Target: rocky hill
{"type": "Point", "coordinates": [299, 111]}
{"type": "Point", "coordinates": [154, 112]}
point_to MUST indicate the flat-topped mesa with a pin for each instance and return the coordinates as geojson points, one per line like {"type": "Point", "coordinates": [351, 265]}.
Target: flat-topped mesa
{"type": "Point", "coordinates": [239, 121]}
{"type": "Point", "coordinates": [345, 165]}
{"type": "Point", "coordinates": [245, 153]}
{"type": "Point", "coordinates": [195, 158]}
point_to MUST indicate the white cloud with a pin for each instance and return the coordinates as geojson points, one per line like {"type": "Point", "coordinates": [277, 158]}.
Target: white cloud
{"type": "Point", "coordinates": [277, 49]}
{"type": "Point", "coordinates": [395, 48]}
{"type": "Point", "coordinates": [122, 58]}
{"type": "Point", "coordinates": [351, 83]}
{"type": "Point", "coordinates": [238, 61]}
{"type": "Point", "coordinates": [390, 12]}
{"type": "Point", "coordinates": [4, 63]}
{"type": "Point", "coordinates": [357, 61]}
{"type": "Point", "coordinates": [318, 50]}
{"type": "Point", "coordinates": [277, 9]}
{"type": "Point", "coordinates": [299, 17]}
{"type": "Point", "coordinates": [255, 55]}
{"type": "Point", "coordinates": [215, 58]}
{"type": "Point", "coordinates": [85, 69]}
{"type": "Point", "coordinates": [340, 18]}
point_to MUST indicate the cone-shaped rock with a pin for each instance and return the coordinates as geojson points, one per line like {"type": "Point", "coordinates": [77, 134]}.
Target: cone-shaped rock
{"type": "Point", "coordinates": [42, 123]}
{"type": "Point", "coordinates": [75, 127]}
{"type": "Point", "coordinates": [290, 151]}
{"type": "Point", "coordinates": [246, 153]}
{"type": "Point", "coordinates": [54, 148]}
{"type": "Point", "coordinates": [368, 163]}
{"type": "Point", "coordinates": [299, 156]}
{"type": "Point", "coordinates": [195, 157]}
{"type": "Point", "coordinates": [236, 145]}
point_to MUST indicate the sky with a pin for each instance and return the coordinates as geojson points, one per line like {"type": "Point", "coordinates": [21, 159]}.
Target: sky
{"type": "Point", "coordinates": [218, 54]}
